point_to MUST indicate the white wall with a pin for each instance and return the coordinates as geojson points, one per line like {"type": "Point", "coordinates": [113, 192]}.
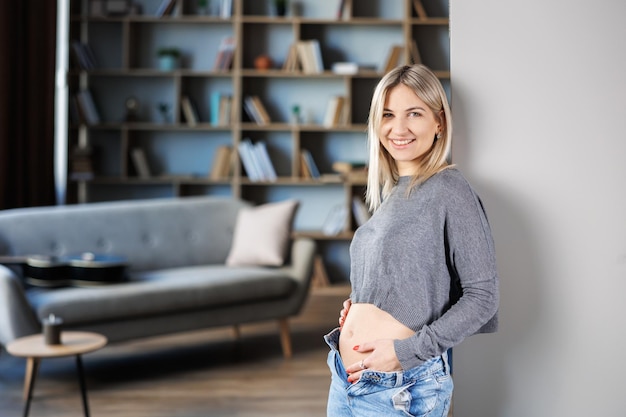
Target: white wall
{"type": "Point", "coordinates": [539, 101]}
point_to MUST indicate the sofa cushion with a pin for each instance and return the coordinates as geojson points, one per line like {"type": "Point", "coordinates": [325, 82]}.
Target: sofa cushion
{"type": "Point", "coordinates": [262, 234]}
{"type": "Point", "coordinates": [161, 292]}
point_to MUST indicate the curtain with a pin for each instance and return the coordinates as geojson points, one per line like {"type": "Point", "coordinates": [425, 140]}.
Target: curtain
{"type": "Point", "coordinates": [27, 67]}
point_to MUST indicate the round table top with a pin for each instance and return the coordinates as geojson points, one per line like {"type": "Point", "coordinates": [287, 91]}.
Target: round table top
{"type": "Point", "coordinates": [72, 343]}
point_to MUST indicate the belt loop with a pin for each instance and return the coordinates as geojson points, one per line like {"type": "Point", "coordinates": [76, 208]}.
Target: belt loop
{"type": "Point", "coordinates": [444, 357]}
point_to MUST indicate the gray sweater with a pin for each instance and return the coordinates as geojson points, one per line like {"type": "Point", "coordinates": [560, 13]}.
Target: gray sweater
{"type": "Point", "coordinates": [428, 259]}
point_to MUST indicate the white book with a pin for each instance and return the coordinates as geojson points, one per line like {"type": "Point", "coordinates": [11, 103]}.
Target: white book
{"type": "Point", "coordinates": [249, 160]}
{"type": "Point", "coordinates": [269, 173]}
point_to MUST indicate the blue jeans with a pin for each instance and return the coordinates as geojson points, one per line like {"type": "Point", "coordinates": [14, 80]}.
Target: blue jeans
{"type": "Point", "coordinates": [422, 391]}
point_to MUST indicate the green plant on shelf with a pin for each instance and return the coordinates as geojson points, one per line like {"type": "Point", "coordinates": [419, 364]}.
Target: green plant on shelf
{"type": "Point", "coordinates": [168, 51]}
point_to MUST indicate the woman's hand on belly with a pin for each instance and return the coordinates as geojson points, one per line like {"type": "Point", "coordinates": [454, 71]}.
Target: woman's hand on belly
{"type": "Point", "coordinates": [367, 339]}
{"type": "Point", "coordinates": [380, 356]}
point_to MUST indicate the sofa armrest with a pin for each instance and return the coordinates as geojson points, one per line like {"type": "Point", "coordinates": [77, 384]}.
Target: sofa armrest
{"type": "Point", "coordinates": [300, 269]}
{"type": "Point", "coordinates": [301, 260]}
{"type": "Point", "coordinates": [17, 317]}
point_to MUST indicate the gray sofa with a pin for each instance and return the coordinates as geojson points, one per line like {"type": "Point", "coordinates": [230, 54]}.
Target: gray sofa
{"type": "Point", "coordinates": [178, 279]}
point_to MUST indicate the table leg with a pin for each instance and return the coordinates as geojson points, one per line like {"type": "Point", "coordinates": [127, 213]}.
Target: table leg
{"type": "Point", "coordinates": [83, 386]}
{"type": "Point", "coordinates": [32, 366]}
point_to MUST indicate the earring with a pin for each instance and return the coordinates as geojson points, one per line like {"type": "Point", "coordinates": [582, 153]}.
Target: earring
{"type": "Point", "coordinates": [438, 136]}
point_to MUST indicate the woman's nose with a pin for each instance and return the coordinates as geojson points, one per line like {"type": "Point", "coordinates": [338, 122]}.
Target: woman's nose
{"type": "Point", "coordinates": [399, 125]}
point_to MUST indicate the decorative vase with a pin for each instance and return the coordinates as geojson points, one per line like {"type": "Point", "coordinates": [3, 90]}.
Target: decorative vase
{"type": "Point", "coordinates": [168, 62]}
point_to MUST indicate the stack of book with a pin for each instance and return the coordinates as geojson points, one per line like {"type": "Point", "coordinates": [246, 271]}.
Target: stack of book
{"type": "Point", "coordinates": [82, 163]}
{"type": "Point", "coordinates": [305, 55]}
{"type": "Point", "coordinates": [225, 54]}
{"type": "Point", "coordinates": [256, 161]}
{"type": "Point", "coordinates": [353, 171]}
{"type": "Point", "coordinates": [222, 163]}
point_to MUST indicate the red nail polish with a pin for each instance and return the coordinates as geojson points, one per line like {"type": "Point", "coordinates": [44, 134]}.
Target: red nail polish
{"type": "Point", "coordinates": [356, 347]}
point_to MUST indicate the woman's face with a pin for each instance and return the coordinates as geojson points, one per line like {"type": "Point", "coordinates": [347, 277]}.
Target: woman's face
{"type": "Point", "coordinates": [408, 128]}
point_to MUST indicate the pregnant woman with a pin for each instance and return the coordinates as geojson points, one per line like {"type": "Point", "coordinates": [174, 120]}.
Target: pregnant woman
{"type": "Point", "coordinates": [423, 269]}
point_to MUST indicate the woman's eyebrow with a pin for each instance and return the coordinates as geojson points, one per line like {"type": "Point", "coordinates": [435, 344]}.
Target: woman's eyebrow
{"type": "Point", "coordinates": [409, 109]}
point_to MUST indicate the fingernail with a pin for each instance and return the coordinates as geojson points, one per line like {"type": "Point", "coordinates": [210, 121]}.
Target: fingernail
{"type": "Point", "coordinates": [356, 347]}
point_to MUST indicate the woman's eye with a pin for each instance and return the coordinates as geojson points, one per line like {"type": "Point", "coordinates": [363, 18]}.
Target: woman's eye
{"type": "Point", "coordinates": [387, 115]}
{"type": "Point", "coordinates": [414, 114]}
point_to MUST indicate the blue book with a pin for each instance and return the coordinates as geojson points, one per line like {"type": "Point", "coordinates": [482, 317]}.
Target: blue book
{"type": "Point", "coordinates": [215, 108]}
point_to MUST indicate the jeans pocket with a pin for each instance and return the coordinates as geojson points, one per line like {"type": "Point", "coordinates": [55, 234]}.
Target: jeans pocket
{"type": "Point", "coordinates": [426, 397]}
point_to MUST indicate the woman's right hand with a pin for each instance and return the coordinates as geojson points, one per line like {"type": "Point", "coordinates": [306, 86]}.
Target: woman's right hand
{"type": "Point", "coordinates": [344, 312]}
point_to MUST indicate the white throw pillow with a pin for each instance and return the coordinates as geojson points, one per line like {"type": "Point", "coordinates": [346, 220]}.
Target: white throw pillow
{"type": "Point", "coordinates": [262, 234]}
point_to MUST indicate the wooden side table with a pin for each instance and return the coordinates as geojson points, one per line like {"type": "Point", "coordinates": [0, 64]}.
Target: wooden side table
{"type": "Point", "coordinates": [34, 349]}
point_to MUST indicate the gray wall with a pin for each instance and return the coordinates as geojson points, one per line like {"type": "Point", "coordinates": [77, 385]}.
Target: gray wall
{"type": "Point", "coordinates": [540, 125]}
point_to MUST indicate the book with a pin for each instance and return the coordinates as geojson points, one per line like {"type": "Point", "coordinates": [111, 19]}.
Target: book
{"type": "Point", "coordinates": [250, 160]}
{"type": "Point", "coordinates": [346, 167]}
{"type": "Point", "coordinates": [226, 9]}
{"type": "Point", "coordinates": [256, 110]}
{"type": "Point", "coordinates": [393, 58]}
{"type": "Point", "coordinates": [87, 107]}
{"type": "Point", "coordinates": [225, 54]}
{"type": "Point", "coordinates": [83, 55]}
{"type": "Point", "coordinates": [342, 10]}
{"type": "Point", "coordinates": [334, 111]}
{"type": "Point", "coordinates": [165, 8]}
{"type": "Point", "coordinates": [291, 62]}
{"type": "Point", "coordinates": [141, 163]}
{"type": "Point", "coordinates": [81, 167]}
{"type": "Point", "coordinates": [221, 163]}
{"type": "Point", "coordinates": [267, 168]}
{"type": "Point", "coordinates": [419, 9]}
{"type": "Point", "coordinates": [310, 56]}
{"type": "Point", "coordinates": [261, 110]}
{"type": "Point", "coordinates": [214, 108]}
{"type": "Point", "coordinates": [351, 171]}
{"type": "Point", "coordinates": [225, 110]}
{"type": "Point", "coordinates": [305, 172]}
{"type": "Point", "coordinates": [189, 111]}
{"type": "Point", "coordinates": [248, 106]}
{"type": "Point", "coordinates": [310, 164]}
{"type": "Point", "coordinates": [347, 68]}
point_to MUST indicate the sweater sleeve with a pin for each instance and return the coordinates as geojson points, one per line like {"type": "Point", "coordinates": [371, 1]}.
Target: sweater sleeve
{"type": "Point", "coordinates": [471, 265]}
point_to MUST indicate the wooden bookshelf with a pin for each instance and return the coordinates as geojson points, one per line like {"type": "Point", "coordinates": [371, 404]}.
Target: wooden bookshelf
{"type": "Point", "coordinates": [180, 155]}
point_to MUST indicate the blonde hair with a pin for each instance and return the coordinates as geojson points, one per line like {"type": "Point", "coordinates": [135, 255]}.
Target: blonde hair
{"type": "Point", "coordinates": [382, 170]}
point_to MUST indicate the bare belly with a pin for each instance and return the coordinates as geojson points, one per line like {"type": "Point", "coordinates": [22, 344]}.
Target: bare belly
{"type": "Point", "coordinates": [366, 323]}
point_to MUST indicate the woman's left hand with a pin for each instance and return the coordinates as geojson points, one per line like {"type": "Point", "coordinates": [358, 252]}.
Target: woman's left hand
{"type": "Point", "coordinates": [382, 358]}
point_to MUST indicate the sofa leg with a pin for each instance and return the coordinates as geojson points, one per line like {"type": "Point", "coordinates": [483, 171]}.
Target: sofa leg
{"type": "Point", "coordinates": [285, 337]}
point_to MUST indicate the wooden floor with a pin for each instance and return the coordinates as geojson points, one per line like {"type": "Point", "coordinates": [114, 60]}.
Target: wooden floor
{"type": "Point", "coordinates": [197, 374]}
